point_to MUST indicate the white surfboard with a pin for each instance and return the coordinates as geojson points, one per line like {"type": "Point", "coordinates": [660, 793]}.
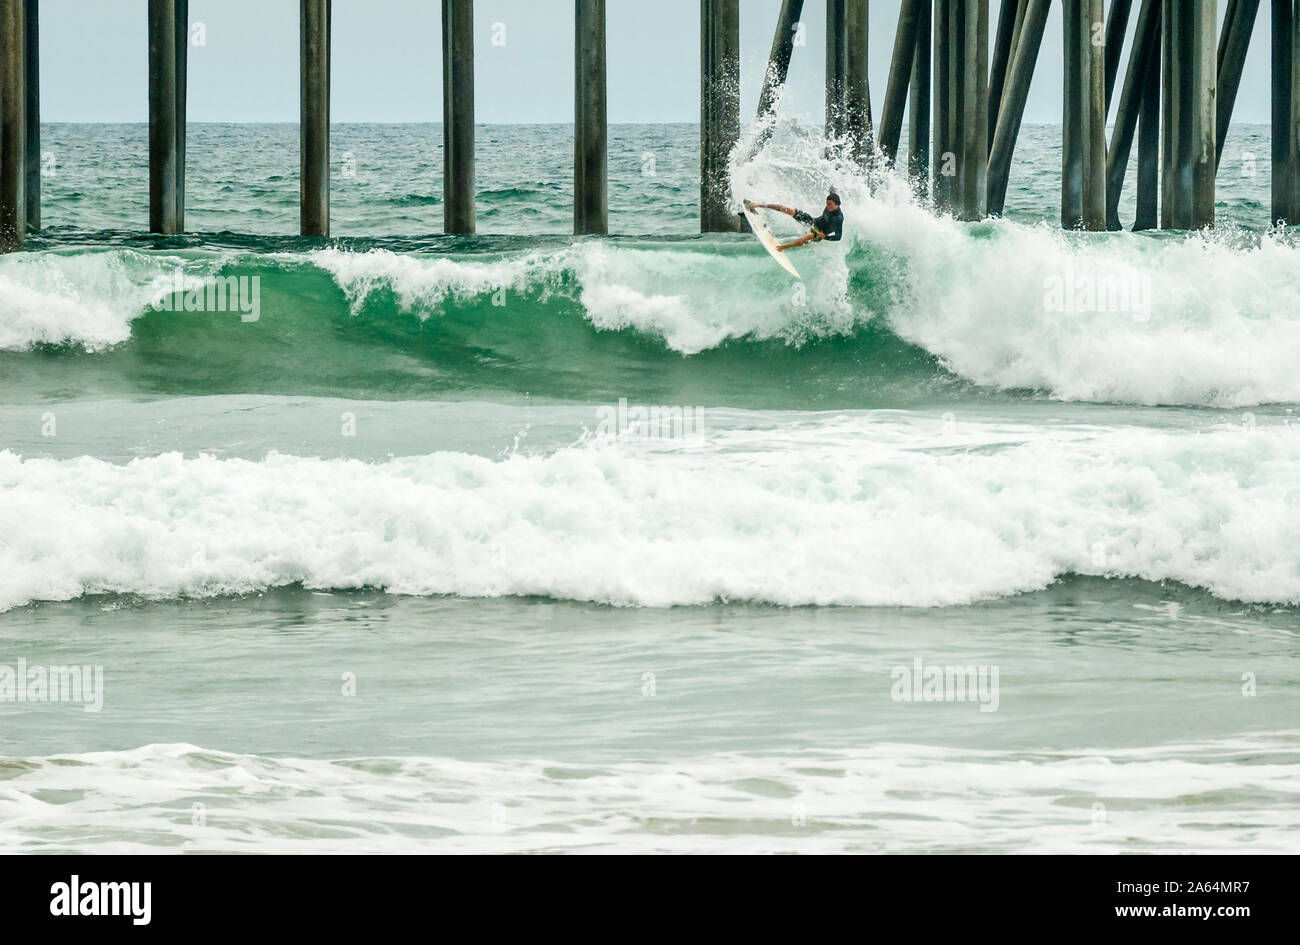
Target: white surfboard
{"type": "Point", "coordinates": [769, 241]}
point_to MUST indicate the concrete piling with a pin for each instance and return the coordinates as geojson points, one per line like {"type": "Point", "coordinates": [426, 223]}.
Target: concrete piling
{"type": "Point", "coordinates": [1148, 169]}
{"type": "Point", "coordinates": [32, 113]}
{"type": "Point", "coordinates": [1116, 27]}
{"type": "Point", "coordinates": [1015, 93]}
{"type": "Point", "coordinates": [166, 130]}
{"type": "Point", "coordinates": [857, 87]}
{"type": "Point", "coordinates": [719, 111]}
{"type": "Point", "coordinates": [13, 128]}
{"type": "Point", "coordinates": [1144, 56]}
{"type": "Point", "coordinates": [1009, 16]}
{"type": "Point", "coordinates": [1191, 78]}
{"type": "Point", "coordinates": [458, 116]}
{"type": "Point", "coordinates": [900, 75]}
{"type": "Point", "coordinates": [1083, 151]}
{"type": "Point", "coordinates": [1238, 25]}
{"type": "Point", "coordinates": [314, 111]}
{"type": "Point", "coordinates": [778, 62]}
{"type": "Point", "coordinates": [590, 124]}
{"type": "Point", "coordinates": [972, 164]}
{"type": "Point", "coordinates": [1286, 145]}
{"type": "Point", "coordinates": [918, 107]}
{"type": "Point", "coordinates": [944, 157]}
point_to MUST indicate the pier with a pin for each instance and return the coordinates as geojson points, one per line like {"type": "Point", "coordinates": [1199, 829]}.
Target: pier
{"type": "Point", "coordinates": [964, 104]}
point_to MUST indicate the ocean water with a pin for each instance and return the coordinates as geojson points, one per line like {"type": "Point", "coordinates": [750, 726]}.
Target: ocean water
{"type": "Point", "coordinates": [523, 542]}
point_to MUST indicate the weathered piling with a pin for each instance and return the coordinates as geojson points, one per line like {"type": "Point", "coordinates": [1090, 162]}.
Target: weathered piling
{"type": "Point", "coordinates": [972, 164]}
{"type": "Point", "coordinates": [900, 75]}
{"type": "Point", "coordinates": [857, 87]}
{"type": "Point", "coordinates": [837, 67]}
{"type": "Point", "coordinates": [848, 96]}
{"type": "Point", "coordinates": [1116, 27]}
{"type": "Point", "coordinates": [1009, 14]}
{"type": "Point", "coordinates": [13, 131]}
{"type": "Point", "coordinates": [182, 47]}
{"type": "Point", "coordinates": [918, 120]}
{"type": "Point", "coordinates": [314, 110]}
{"type": "Point", "coordinates": [1238, 24]}
{"type": "Point", "coordinates": [719, 110]}
{"type": "Point", "coordinates": [778, 61]}
{"type": "Point", "coordinates": [944, 157]}
{"type": "Point", "coordinates": [32, 111]}
{"type": "Point", "coordinates": [1190, 69]}
{"type": "Point", "coordinates": [1203, 154]}
{"type": "Point", "coordinates": [166, 130]}
{"type": "Point", "coordinates": [1285, 145]}
{"type": "Point", "coordinates": [1024, 57]}
{"type": "Point", "coordinates": [458, 116]}
{"type": "Point", "coordinates": [590, 125]}
{"type": "Point", "coordinates": [1144, 57]}
{"type": "Point", "coordinates": [778, 67]}
{"type": "Point", "coordinates": [1148, 170]}
{"type": "Point", "coordinates": [1083, 150]}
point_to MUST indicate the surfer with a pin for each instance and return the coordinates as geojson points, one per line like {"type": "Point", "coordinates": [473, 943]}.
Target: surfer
{"type": "Point", "coordinates": [828, 226]}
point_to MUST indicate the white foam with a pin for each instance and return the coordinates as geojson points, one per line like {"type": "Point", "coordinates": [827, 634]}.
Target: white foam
{"type": "Point", "coordinates": [86, 298]}
{"type": "Point", "coordinates": [864, 510]}
{"type": "Point", "coordinates": [879, 798]}
{"type": "Point", "coordinates": [687, 298]}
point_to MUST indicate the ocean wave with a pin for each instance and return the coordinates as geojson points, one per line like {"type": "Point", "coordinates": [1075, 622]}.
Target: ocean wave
{"type": "Point", "coordinates": [862, 518]}
{"type": "Point", "coordinates": [886, 798]}
{"type": "Point", "coordinates": [1206, 319]}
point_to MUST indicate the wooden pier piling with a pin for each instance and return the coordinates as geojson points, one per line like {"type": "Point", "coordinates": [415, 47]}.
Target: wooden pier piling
{"type": "Point", "coordinates": [458, 116]}
{"type": "Point", "coordinates": [13, 130]}
{"type": "Point", "coordinates": [590, 125]}
{"type": "Point", "coordinates": [314, 109]}
{"type": "Point", "coordinates": [719, 111]}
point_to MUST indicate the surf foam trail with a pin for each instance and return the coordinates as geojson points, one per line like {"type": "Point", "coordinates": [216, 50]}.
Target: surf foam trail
{"type": "Point", "coordinates": [851, 512]}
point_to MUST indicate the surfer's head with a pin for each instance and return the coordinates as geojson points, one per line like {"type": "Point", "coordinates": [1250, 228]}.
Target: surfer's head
{"type": "Point", "coordinates": [832, 201]}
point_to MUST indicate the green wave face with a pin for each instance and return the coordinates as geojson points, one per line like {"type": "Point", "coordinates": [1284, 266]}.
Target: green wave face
{"type": "Point", "coordinates": [576, 322]}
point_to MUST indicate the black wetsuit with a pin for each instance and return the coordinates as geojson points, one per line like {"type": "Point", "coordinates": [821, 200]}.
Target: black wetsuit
{"type": "Point", "coordinates": [830, 224]}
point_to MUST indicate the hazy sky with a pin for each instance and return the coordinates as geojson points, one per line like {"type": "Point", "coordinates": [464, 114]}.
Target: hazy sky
{"type": "Point", "coordinates": [387, 60]}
